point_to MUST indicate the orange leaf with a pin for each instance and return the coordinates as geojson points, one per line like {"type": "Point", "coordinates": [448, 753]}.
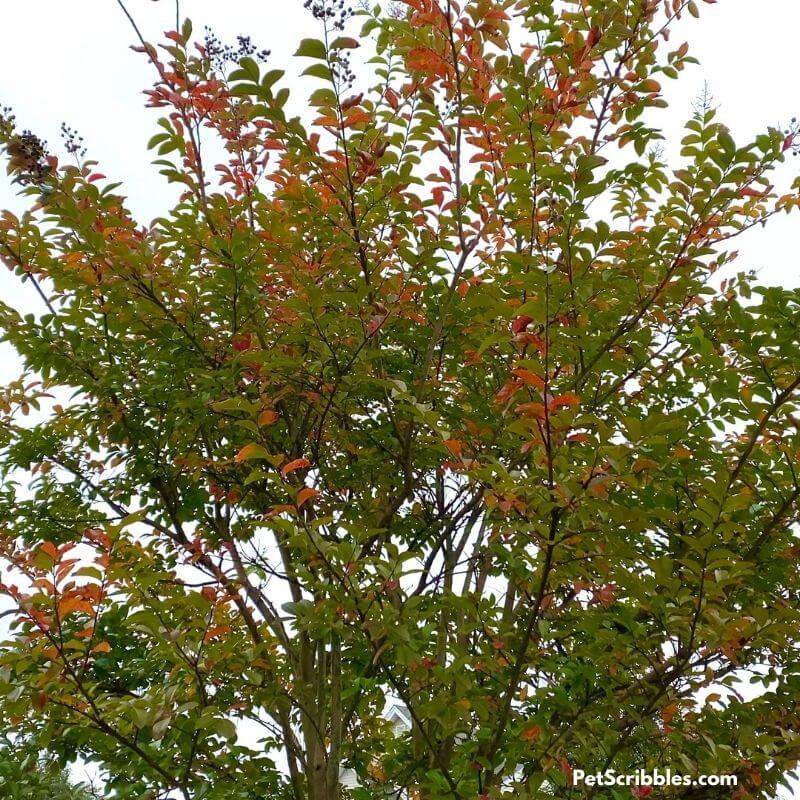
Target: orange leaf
{"type": "Point", "coordinates": [216, 631]}
{"type": "Point", "coordinates": [650, 85]}
{"type": "Point", "coordinates": [531, 733]}
{"type": "Point", "coordinates": [275, 510]}
{"type": "Point", "coordinates": [103, 647]}
{"type": "Point", "coordinates": [327, 121]}
{"type": "Point", "coordinates": [642, 464]}
{"type": "Point", "coordinates": [582, 438]}
{"type": "Point", "coordinates": [251, 450]}
{"type": "Point", "coordinates": [668, 712]}
{"type": "Point", "coordinates": [531, 410]}
{"type": "Point", "coordinates": [305, 494]}
{"type": "Point", "coordinates": [48, 548]}
{"type": "Point", "coordinates": [529, 378]}
{"type": "Point", "coordinates": [356, 117]}
{"type": "Point", "coordinates": [597, 486]}
{"type": "Point", "coordinates": [298, 463]}
{"type": "Point", "coordinates": [507, 392]}
{"type": "Point", "coordinates": [68, 604]}
{"type": "Point", "coordinates": [565, 401]}
{"type": "Point", "coordinates": [267, 417]}
{"type": "Point", "coordinates": [454, 446]}
{"type": "Point", "coordinates": [426, 60]}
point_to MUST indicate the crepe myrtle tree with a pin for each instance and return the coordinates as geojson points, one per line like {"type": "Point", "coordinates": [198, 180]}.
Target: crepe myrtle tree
{"type": "Point", "coordinates": [429, 392]}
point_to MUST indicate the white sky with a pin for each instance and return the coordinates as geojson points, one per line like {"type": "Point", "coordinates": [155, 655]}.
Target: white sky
{"type": "Point", "coordinates": [70, 61]}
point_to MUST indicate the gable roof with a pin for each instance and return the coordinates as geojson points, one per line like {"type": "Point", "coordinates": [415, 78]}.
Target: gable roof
{"type": "Point", "coordinates": [398, 714]}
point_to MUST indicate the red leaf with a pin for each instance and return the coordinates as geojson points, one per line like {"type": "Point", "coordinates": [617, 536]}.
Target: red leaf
{"type": "Point", "coordinates": [298, 463]}
{"type": "Point", "coordinates": [375, 324]}
{"type": "Point", "coordinates": [95, 176]}
{"type": "Point", "coordinates": [605, 595]}
{"type": "Point", "coordinates": [209, 593]}
{"type": "Point", "coordinates": [243, 342]}
{"type": "Point", "coordinates": [520, 323]}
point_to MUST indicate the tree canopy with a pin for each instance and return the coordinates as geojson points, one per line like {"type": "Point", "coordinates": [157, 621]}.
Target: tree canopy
{"type": "Point", "coordinates": [428, 387]}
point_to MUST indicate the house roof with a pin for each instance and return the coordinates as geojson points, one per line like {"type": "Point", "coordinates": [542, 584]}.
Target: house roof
{"type": "Point", "coordinates": [398, 713]}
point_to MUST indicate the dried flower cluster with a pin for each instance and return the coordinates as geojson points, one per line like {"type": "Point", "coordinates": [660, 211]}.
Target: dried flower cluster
{"type": "Point", "coordinates": [222, 54]}
{"type": "Point", "coordinates": [335, 13]}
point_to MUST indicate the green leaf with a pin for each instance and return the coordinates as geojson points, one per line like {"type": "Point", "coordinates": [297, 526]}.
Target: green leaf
{"type": "Point", "coordinates": [250, 68]}
{"type": "Point", "coordinates": [271, 77]}
{"type": "Point", "coordinates": [323, 97]}
{"type": "Point", "coordinates": [312, 48]}
{"type": "Point", "coordinates": [318, 71]}
{"type": "Point", "coordinates": [345, 43]}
